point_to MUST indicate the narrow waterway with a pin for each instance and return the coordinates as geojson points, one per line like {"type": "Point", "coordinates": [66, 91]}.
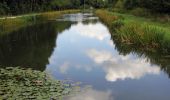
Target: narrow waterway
{"type": "Point", "coordinates": [79, 47]}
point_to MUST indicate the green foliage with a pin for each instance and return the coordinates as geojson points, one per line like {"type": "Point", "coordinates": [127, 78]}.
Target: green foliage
{"type": "Point", "coordinates": [140, 12]}
{"type": "Point", "coordinates": [156, 5]}
{"type": "Point", "coordinates": [3, 9]}
{"type": "Point", "coordinates": [159, 6]}
{"type": "Point", "coordinates": [119, 4]}
{"type": "Point", "coordinates": [28, 6]}
{"type": "Point", "coordinates": [97, 3]}
{"type": "Point", "coordinates": [16, 83]}
{"type": "Point", "coordinates": [130, 4]}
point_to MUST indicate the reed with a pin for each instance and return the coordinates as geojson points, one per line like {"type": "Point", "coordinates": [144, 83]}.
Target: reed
{"type": "Point", "coordinates": [142, 35]}
{"type": "Point", "coordinates": [106, 17]}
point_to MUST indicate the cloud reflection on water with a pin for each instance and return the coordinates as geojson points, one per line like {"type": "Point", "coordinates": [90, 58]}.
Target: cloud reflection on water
{"type": "Point", "coordinates": [97, 31]}
{"type": "Point", "coordinates": [91, 94]}
{"type": "Point", "coordinates": [118, 67]}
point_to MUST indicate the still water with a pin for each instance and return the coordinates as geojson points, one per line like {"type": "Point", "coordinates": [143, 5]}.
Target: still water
{"type": "Point", "coordinates": [80, 47]}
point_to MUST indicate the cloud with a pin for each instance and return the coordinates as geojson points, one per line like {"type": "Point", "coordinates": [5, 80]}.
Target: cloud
{"type": "Point", "coordinates": [119, 67]}
{"type": "Point", "coordinates": [64, 67]}
{"type": "Point", "coordinates": [97, 31]}
{"type": "Point", "coordinates": [100, 57]}
{"type": "Point", "coordinates": [91, 94]}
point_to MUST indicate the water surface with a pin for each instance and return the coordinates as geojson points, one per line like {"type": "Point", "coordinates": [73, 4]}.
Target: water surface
{"type": "Point", "coordinates": [80, 47]}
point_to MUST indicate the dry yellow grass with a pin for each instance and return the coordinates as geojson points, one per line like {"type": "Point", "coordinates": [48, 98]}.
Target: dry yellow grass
{"type": "Point", "coordinates": [106, 17]}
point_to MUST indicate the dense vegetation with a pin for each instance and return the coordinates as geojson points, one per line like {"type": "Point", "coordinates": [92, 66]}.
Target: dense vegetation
{"type": "Point", "coordinates": [154, 5]}
{"type": "Point", "coordinates": [16, 84]}
{"type": "Point", "coordinates": [157, 9]}
{"type": "Point", "coordinates": [26, 6]}
{"type": "Point", "coordinates": [8, 7]}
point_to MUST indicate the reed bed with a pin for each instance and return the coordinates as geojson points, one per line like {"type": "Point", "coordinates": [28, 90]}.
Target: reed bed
{"type": "Point", "coordinates": [141, 35]}
{"type": "Point", "coordinates": [132, 32]}
{"type": "Point", "coordinates": [106, 17]}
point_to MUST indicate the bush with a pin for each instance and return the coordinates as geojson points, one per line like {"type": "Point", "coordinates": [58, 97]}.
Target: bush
{"type": "Point", "coordinates": [119, 6]}
{"type": "Point", "coordinates": [3, 9]}
{"type": "Point", "coordinates": [140, 12]}
{"type": "Point", "coordinates": [130, 4]}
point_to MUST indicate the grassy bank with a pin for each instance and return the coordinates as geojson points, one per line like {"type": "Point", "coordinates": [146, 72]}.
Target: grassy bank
{"type": "Point", "coordinates": [10, 24]}
{"type": "Point", "coordinates": [137, 31]}
{"type": "Point", "coordinates": [27, 84]}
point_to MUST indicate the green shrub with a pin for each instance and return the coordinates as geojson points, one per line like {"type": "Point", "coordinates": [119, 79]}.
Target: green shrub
{"type": "Point", "coordinates": [130, 4]}
{"type": "Point", "coordinates": [140, 12]}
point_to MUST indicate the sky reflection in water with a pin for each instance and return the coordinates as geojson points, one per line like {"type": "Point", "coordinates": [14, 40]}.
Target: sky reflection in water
{"type": "Point", "coordinates": [85, 53]}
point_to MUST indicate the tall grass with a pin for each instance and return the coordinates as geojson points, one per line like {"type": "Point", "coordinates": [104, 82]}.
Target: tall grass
{"type": "Point", "coordinates": [141, 35]}
{"type": "Point", "coordinates": [133, 32]}
{"type": "Point", "coordinates": [106, 17]}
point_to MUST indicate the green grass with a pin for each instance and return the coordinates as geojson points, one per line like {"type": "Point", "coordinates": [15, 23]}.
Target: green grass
{"type": "Point", "coordinates": [141, 32]}
{"type": "Point", "coordinates": [142, 35]}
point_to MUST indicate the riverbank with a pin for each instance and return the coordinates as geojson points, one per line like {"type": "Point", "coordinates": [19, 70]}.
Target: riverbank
{"type": "Point", "coordinates": [9, 24]}
{"type": "Point", "coordinates": [137, 32]}
{"type": "Point", "coordinates": [36, 14]}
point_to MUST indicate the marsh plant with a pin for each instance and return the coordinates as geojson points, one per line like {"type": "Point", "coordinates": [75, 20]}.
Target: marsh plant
{"type": "Point", "coordinates": [24, 84]}
{"type": "Point", "coordinates": [142, 35]}
{"type": "Point", "coordinates": [106, 17]}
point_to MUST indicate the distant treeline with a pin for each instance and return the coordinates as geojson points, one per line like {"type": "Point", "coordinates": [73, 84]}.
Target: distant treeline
{"type": "Point", "coordinates": [161, 6]}
{"type": "Point", "coordinates": [9, 7]}
{"type": "Point", "coordinates": [158, 5]}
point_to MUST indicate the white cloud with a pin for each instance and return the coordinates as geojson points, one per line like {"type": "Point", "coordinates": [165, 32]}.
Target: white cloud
{"type": "Point", "coordinates": [97, 31]}
{"type": "Point", "coordinates": [119, 67]}
{"type": "Point", "coordinates": [64, 68]}
{"type": "Point", "coordinates": [91, 94]}
{"type": "Point", "coordinates": [100, 56]}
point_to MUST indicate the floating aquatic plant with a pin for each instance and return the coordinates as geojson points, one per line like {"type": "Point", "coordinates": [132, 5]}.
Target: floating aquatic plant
{"type": "Point", "coordinates": [16, 84]}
